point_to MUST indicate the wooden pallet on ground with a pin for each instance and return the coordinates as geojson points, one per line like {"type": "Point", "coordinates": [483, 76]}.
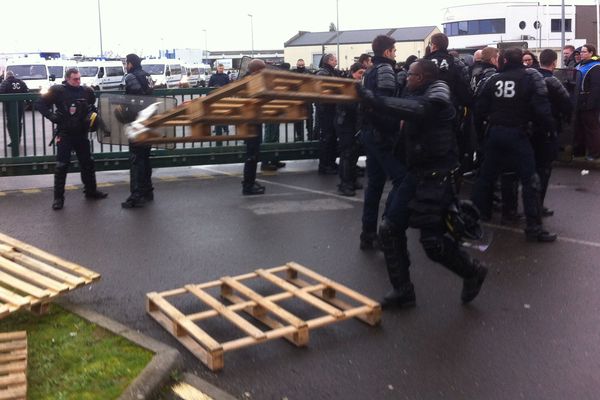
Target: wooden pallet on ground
{"type": "Point", "coordinates": [13, 365]}
{"type": "Point", "coordinates": [298, 283]}
{"type": "Point", "coordinates": [30, 278]}
{"type": "Point", "coordinates": [270, 96]}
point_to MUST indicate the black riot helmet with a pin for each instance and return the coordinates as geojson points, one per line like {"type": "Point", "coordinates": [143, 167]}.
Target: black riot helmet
{"type": "Point", "coordinates": [462, 221]}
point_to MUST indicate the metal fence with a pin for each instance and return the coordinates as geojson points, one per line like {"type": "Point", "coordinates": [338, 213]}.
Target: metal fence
{"type": "Point", "coordinates": [31, 151]}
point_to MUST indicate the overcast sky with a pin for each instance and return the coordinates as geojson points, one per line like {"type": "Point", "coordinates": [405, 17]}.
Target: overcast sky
{"type": "Point", "coordinates": [144, 26]}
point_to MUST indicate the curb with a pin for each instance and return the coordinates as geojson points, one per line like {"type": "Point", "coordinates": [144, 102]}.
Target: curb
{"type": "Point", "coordinates": [158, 371]}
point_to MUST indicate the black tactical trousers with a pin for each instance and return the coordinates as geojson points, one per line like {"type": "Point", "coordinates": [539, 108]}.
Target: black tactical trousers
{"type": "Point", "coordinates": [140, 172]}
{"type": "Point", "coordinates": [65, 145]}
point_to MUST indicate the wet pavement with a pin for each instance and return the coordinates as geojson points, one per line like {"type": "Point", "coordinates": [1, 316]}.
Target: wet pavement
{"type": "Point", "coordinates": [533, 333]}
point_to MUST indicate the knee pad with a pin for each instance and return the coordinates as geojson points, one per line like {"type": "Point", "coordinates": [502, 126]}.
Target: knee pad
{"type": "Point", "coordinates": [434, 247]}
{"type": "Point", "coordinates": [61, 166]}
{"type": "Point", "coordinates": [388, 230]}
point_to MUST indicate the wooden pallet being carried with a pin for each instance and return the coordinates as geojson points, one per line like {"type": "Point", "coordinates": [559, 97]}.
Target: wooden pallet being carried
{"type": "Point", "coordinates": [13, 365]}
{"type": "Point", "coordinates": [30, 277]}
{"type": "Point", "coordinates": [299, 283]}
{"type": "Point", "coordinates": [271, 96]}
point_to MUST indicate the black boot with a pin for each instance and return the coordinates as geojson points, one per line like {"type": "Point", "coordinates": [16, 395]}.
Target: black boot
{"type": "Point", "coordinates": [539, 234]}
{"type": "Point", "coordinates": [60, 178]}
{"type": "Point", "coordinates": [395, 252]}
{"type": "Point", "coordinates": [134, 201]}
{"type": "Point", "coordinates": [88, 177]}
{"type": "Point", "coordinates": [368, 240]}
{"type": "Point", "coordinates": [472, 285]}
{"type": "Point", "coordinates": [253, 189]}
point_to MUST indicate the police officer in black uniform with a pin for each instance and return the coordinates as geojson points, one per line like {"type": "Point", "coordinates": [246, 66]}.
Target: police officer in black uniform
{"type": "Point", "coordinates": [545, 143]}
{"type": "Point", "coordinates": [455, 73]}
{"type": "Point", "coordinates": [427, 191]}
{"type": "Point", "coordinates": [509, 100]}
{"type": "Point", "coordinates": [138, 82]}
{"type": "Point", "coordinates": [74, 104]}
{"type": "Point", "coordinates": [378, 134]}
{"type": "Point", "coordinates": [326, 117]}
{"type": "Point", "coordinates": [11, 84]}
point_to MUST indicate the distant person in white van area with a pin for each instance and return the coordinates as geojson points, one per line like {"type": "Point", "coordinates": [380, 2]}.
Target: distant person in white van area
{"type": "Point", "coordinates": [12, 84]}
{"type": "Point", "coordinates": [217, 80]}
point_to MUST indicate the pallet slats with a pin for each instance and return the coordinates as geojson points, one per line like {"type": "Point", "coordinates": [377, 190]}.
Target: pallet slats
{"type": "Point", "coordinates": [30, 277]}
{"type": "Point", "coordinates": [320, 295]}
{"type": "Point", "coordinates": [13, 365]}
{"type": "Point", "coordinates": [270, 96]}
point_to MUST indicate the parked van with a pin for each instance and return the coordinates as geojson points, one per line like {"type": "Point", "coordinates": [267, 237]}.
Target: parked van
{"type": "Point", "coordinates": [165, 72]}
{"type": "Point", "coordinates": [102, 75]}
{"type": "Point", "coordinates": [58, 68]}
{"type": "Point", "coordinates": [33, 71]}
{"type": "Point", "coordinates": [191, 75]}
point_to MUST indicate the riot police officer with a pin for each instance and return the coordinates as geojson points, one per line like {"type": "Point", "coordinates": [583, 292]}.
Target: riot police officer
{"type": "Point", "coordinates": [455, 73]}
{"type": "Point", "coordinates": [138, 82]}
{"type": "Point", "coordinates": [378, 133]}
{"type": "Point", "coordinates": [12, 84]}
{"type": "Point", "coordinates": [74, 104]}
{"type": "Point", "coordinates": [545, 143]}
{"type": "Point", "coordinates": [326, 117]}
{"type": "Point", "coordinates": [509, 100]}
{"type": "Point", "coordinates": [427, 191]}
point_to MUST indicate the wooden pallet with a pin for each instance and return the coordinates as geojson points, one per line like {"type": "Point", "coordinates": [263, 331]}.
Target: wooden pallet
{"type": "Point", "coordinates": [30, 278]}
{"type": "Point", "coordinates": [270, 96]}
{"type": "Point", "coordinates": [13, 365]}
{"type": "Point", "coordinates": [299, 283]}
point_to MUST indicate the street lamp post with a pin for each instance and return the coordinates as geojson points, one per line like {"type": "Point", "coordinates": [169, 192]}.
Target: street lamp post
{"type": "Point", "coordinates": [337, 28]}
{"type": "Point", "coordinates": [252, 32]}
{"type": "Point", "coordinates": [205, 46]}
{"type": "Point", "coordinates": [100, 29]}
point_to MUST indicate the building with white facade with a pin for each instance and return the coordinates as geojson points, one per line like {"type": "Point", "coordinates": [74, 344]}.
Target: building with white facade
{"type": "Point", "coordinates": [531, 24]}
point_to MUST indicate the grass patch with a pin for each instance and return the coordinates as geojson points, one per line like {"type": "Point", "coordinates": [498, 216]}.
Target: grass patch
{"type": "Point", "coordinates": [71, 358]}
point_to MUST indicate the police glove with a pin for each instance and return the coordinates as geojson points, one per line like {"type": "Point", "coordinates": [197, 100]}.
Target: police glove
{"type": "Point", "coordinates": [367, 96]}
{"type": "Point", "coordinates": [55, 118]}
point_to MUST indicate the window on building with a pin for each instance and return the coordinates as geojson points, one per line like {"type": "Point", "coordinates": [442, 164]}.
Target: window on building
{"type": "Point", "coordinates": [475, 27]}
{"type": "Point", "coordinates": [522, 25]}
{"type": "Point", "coordinates": [555, 25]}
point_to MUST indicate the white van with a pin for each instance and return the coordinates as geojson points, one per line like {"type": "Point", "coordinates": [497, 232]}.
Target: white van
{"type": "Point", "coordinates": [58, 68]}
{"type": "Point", "coordinates": [191, 75]}
{"type": "Point", "coordinates": [32, 71]}
{"type": "Point", "coordinates": [102, 75]}
{"type": "Point", "coordinates": [165, 72]}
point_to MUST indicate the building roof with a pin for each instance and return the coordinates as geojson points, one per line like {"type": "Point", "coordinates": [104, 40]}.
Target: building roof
{"type": "Point", "coordinates": [411, 34]}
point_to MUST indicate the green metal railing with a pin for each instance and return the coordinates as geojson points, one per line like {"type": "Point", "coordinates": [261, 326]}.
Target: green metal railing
{"type": "Point", "coordinates": [32, 153]}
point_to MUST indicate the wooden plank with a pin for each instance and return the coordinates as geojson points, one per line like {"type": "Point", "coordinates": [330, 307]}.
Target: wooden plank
{"type": "Point", "coordinates": [22, 247]}
{"type": "Point", "coordinates": [31, 276]}
{"type": "Point", "coordinates": [14, 393]}
{"type": "Point", "coordinates": [187, 139]}
{"type": "Point", "coordinates": [337, 286]}
{"type": "Point", "coordinates": [8, 252]}
{"type": "Point", "coordinates": [307, 297]}
{"type": "Point", "coordinates": [261, 301]}
{"type": "Point", "coordinates": [18, 335]}
{"type": "Point", "coordinates": [13, 366]}
{"type": "Point", "coordinates": [13, 379]}
{"type": "Point", "coordinates": [292, 336]}
{"type": "Point", "coordinates": [13, 298]}
{"type": "Point", "coordinates": [15, 355]}
{"type": "Point", "coordinates": [226, 312]}
{"type": "Point", "coordinates": [23, 286]}
{"type": "Point", "coordinates": [17, 344]}
{"type": "Point", "coordinates": [178, 318]}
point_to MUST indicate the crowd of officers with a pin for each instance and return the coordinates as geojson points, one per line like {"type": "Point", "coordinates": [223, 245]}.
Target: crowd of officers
{"type": "Point", "coordinates": [426, 127]}
{"type": "Point", "coordinates": [422, 128]}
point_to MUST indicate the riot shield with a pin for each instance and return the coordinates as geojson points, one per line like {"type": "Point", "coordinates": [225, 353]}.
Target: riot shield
{"type": "Point", "coordinates": [568, 77]}
{"type": "Point", "coordinates": [118, 110]}
{"type": "Point", "coordinates": [244, 67]}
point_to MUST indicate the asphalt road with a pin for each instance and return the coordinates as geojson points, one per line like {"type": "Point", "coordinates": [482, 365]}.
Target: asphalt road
{"type": "Point", "coordinates": [533, 333]}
